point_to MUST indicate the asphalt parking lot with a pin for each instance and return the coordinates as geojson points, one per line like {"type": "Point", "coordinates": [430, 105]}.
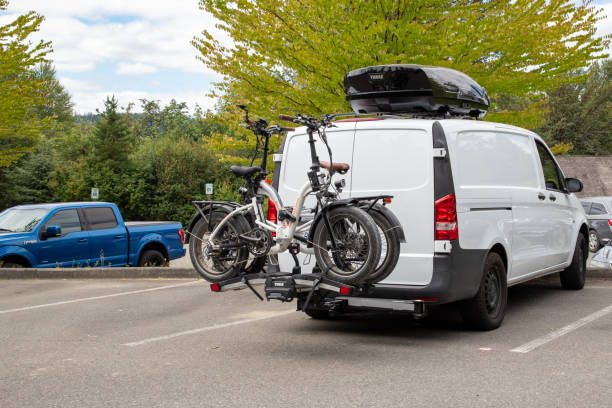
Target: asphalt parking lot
{"type": "Point", "coordinates": [173, 343]}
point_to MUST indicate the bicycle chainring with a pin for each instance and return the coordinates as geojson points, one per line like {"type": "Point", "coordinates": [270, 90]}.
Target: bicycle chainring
{"type": "Point", "coordinates": [263, 242]}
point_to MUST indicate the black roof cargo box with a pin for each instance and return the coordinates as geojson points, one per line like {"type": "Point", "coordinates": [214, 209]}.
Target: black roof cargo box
{"type": "Point", "coordinates": [408, 88]}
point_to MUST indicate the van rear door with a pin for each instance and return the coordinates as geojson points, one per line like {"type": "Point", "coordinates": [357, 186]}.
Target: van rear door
{"type": "Point", "coordinates": [396, 157]}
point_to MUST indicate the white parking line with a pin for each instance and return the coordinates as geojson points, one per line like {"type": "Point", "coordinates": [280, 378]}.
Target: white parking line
{"type": "Point", "coordinates": [207, 328]}
{"type": "Point", "coordinates": [66, 302]}
{"type": "Point", "coordinates": [540, 341]}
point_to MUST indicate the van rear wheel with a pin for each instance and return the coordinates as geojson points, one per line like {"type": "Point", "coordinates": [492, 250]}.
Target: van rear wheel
{"type": "Point", "coordinates": [487, 309]}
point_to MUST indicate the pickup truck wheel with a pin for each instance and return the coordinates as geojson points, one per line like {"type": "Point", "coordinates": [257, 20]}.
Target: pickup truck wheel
{"type": "Point", "coordinates": [574, 276]}
{"type": "Point", "coordinates": [10, 265]}
{"type": "Point", "coordinates": [152, 257]}
{"type": "Point", "coordinates": [487, 309]}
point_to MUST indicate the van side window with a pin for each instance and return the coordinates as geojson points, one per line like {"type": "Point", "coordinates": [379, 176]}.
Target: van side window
{"type": "Point", "coordinates": [495, 159]}
{"type": "Point", "coordinates": [67, 220]}
{"type": "Point", "coordinates": [552, 174]}
{"type": "Point", "coordinates": [100, 218]}
{"type": "Point", "coordinates": [598, 209]}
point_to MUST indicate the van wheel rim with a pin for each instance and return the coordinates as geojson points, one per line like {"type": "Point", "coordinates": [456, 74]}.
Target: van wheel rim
{"type": "Point", "coordinates": [492, 291]}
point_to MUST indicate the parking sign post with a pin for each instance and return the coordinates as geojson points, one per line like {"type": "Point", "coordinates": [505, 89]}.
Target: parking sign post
{"type": "Point", "coordinates": [95, 193]}
{"type": "Point", "coordinates": [209, 190]}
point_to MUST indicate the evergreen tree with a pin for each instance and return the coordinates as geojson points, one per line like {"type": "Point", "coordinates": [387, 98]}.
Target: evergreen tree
{"type": "Point", "coordinates": [111, 138]}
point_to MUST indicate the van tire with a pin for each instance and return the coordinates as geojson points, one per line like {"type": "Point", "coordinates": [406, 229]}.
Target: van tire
{"type": "Point", "coordinates": [334, 265]}
{"type": "Point", "coordinates": [152, 257]}
{"type": "Point", "coordinates": [574, 276]}
{"type": "Point", "coordinates": [318, 314]}
{"type": "Point", "coordinates": [388, 236]}
{"type": "Point", "coordinates": [487, 309]}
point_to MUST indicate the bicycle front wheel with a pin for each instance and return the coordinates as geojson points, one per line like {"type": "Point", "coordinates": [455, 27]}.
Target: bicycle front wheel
{"type": "Point", "coordinates": [357, 249]}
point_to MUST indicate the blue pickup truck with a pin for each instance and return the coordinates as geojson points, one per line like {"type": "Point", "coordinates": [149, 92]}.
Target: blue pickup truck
{"type": "Point", "coordinates": [84, 234]}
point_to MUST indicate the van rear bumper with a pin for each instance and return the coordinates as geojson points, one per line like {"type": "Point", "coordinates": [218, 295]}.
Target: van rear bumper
{"type": "Point", "coordinates": [456, 276]}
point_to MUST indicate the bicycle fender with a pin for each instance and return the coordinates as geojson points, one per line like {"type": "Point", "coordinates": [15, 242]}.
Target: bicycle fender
{"type": "Point", "coordinates": [388, 214]}
{"type": "Point", "coordinates": [227, 208]}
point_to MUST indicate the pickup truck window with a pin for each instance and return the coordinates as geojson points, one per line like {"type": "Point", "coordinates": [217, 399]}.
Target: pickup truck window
{"type": "Point", "coordinates": [18, 220]}
{"type": "Point", "coordinates": [68, 220]}
{"type": "Point", "coordinates": [100, 218]}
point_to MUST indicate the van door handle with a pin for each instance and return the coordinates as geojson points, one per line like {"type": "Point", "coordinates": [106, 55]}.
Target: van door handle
{"type": "Point", "coordinates": [541, 196]}
{"type": "Point", "coordinates": [552, 197]}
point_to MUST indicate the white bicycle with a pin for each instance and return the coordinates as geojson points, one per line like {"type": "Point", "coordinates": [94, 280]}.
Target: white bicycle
{"type": "Point", "coordinates": [231, 239]}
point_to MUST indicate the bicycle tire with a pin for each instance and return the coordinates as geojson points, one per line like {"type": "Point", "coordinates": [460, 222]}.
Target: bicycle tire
{"type": "Point", "coordinates": [390, 248]}
{"type": "Point", "coordinates": [360, 241]}
{"type": "Point", "coordinates": [216, 270]}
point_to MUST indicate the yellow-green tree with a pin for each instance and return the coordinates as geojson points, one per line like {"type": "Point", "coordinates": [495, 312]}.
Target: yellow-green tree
{"type": "Point", "coordinates": [20, 90]}
{"type": "Point", "coordinates": [291, 55]}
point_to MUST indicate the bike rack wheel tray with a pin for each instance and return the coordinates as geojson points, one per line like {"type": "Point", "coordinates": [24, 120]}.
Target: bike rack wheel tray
{"type": "Point", "coordinates": [287, 287]}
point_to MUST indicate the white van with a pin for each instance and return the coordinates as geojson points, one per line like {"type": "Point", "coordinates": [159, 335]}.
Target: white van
{"type": "Point", "coordinates": [483, 206]}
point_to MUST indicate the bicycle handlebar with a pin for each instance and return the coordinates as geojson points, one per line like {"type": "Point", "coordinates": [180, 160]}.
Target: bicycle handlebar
{"type": "Point", "coordinates": [286, 117]}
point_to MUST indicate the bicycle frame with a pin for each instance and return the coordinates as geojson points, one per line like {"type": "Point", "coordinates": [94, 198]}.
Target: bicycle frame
{"type": "Point", "coordinates": [285, 232]}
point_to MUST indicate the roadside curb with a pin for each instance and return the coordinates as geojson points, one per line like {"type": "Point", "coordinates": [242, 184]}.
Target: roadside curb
{"type": "Point", "coordinates": [98, 273]}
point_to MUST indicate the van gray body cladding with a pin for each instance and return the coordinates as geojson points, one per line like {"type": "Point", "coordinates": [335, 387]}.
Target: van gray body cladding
{"type": "Point", "coordinates": [388, 214]}
{"type": "Point", "coordinates": [225, 207]}
{"type": "Point", "coordinates": [456, 276]}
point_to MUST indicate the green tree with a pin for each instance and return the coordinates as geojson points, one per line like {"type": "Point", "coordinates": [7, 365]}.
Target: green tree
{"type": "Point", "coordinates": [111, 138]}
{"type": "Point", "coordinates": [580, 114]}
{"type": "Point", "coordinates": [58, 103]}
{"type": "Point", "coordinates": [291, 55]}
{"type": "Point", "coordinates": [20, 91]}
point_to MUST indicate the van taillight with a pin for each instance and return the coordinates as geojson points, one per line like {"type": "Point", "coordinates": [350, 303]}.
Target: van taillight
{"type": "Point", "coordinates": [271, 211]}
{"type": "Point", "coordinates": [446, 218]}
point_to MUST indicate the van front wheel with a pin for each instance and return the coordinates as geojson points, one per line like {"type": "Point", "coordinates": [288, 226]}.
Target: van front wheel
{"type": "Point", "coordinates": [574, 276]}
{"type": "Point", "coordinates": [487, 309]}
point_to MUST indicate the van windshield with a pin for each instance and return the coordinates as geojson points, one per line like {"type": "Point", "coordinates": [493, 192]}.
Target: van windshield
{"type": "Point", "coordinates": [21, 220]}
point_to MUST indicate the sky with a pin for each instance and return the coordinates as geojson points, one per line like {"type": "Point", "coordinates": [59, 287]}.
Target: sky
{"type": "Point", "coordinates": [136, 49]}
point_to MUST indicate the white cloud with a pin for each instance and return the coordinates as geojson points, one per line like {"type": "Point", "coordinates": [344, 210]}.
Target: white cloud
{"type": "Point", "coordinates": [604, 26]}
{"type": "Point", "coordinates": [152, 32]}
{"type": "Point", "coordinates": [134, 69]}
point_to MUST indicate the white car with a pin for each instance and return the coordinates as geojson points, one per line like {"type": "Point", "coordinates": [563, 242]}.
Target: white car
{"type": "Point", "coordinates": [483, 206]}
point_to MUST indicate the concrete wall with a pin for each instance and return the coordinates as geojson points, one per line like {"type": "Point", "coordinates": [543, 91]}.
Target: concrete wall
{"type": "Point", "coordinates": [594, 171]}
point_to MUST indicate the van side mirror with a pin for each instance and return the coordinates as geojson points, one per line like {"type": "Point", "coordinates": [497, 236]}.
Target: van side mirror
{"type": "Point", "coordinates": [573, 185]}
{"type": "Point", "coordinates": [53, 231]}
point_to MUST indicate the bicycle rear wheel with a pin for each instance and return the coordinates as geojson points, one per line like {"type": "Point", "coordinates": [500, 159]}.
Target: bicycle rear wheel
{"type": "Point", "coordinates": [357, 249]}
{"type": "Point", "coordinates": [215, 266]}
{"type": "Point", "coordinates": [390, 248]}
